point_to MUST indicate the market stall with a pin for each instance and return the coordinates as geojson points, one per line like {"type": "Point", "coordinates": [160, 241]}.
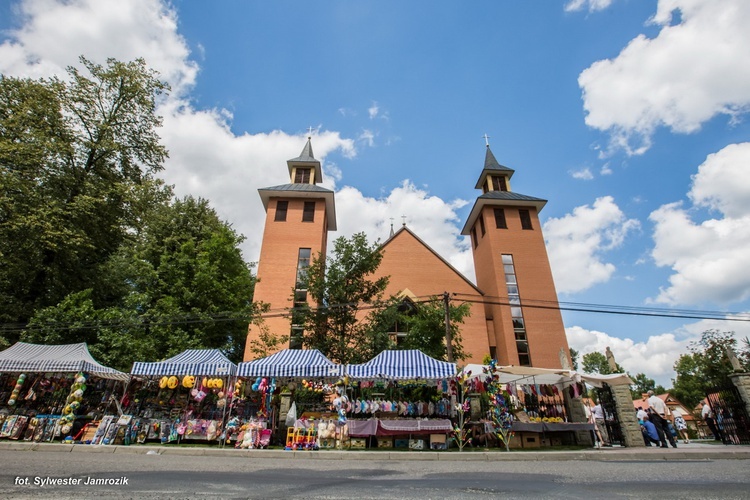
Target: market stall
{"type": "Point", "coordinates": [536, 400]}
{"type": "Point", "coordinates": [53, 391]}
{"type": "Point", "coordinates": [401, 398]}
{"type": "Point", "coordinates": [307, 373]}
{"type": "Point", "coordinates": [183, 397]}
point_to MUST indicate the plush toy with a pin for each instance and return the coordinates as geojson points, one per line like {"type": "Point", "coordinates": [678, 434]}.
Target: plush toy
{"type": "Point", "coordinates": [163, 382]}
{"type": "Point", "coordinates": [172, 382]}
{"type": "Point", "coordinates": [17, 389]}
{"type": "Point", "coordinates": [188, 381]}
{"type": "Point", "coordinates": [221, 402]}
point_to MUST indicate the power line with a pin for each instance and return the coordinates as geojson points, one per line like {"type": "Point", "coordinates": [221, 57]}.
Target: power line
{"type": "Point", "coordinates": [226, 317]}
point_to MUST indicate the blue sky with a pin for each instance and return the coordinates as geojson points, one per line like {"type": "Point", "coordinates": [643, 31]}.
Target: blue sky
{"type": "Point", "coordinates": [629, 117]}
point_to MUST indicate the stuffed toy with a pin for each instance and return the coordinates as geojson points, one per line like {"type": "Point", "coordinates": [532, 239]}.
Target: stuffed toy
{"type": "Point", "coordinates": [188, 381]}
{"type": "Point", "coordinates": [17, 389]}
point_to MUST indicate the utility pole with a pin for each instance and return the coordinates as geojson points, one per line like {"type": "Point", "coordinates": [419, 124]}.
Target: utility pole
{"type": "Point", "coordinates": [448, 336]}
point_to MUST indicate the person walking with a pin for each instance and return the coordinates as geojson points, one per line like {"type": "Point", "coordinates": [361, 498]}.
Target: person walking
{"type": "Point", "coordinates": [658, 414]}
{"type": "Point", "coordinates": [601, 424]}
{"type": "Point", "coordinates": [681, 425]}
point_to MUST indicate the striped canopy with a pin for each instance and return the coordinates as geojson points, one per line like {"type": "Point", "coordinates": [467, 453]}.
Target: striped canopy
{"type": "Point", "coordinates": [302, 363]}
{"type": "Point", "coordinates": [23, 357]}
{"type": "Point", "coordinates": [402, 365]}
{"type": "Point", "coordinates": [190, 362]}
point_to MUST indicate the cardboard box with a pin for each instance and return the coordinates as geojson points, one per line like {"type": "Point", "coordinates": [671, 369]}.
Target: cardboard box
{"type": "Point", "coordinates": [515, 442]}
{"type": "Point", "coordinates": [358, 443]}
{"type": "Point", "coordinates": [385, 442]}
{"type": "Point", "coordinates": [400, 443]}
{"type": "Point", "coordinates": [416, 444]}
{"type": "Point", "coordinates": [530, 440]}
{"type": "Point", "coordinates": [437, 438]}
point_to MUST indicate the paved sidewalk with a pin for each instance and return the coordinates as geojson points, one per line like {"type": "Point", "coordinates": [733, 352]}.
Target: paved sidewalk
{"type": "Point", "coordinates": [692, 451]}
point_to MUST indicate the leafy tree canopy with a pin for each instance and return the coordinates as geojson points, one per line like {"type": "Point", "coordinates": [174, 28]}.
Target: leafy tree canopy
{"type": "Point", "coordinates": [596, 362]}
{"type": "Point", "coordinates": [707, 366]}
{"type": "Point", "coordinates": [342, 285]}
{"type": "Point", "coordinates": [77, 160]}
{"type": "Point", "coordinates": [180, 283]}
{"type": "Point", "coordinates": [423, 324]}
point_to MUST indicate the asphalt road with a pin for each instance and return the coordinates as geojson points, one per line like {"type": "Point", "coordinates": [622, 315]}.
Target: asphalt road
{"type": "Point", "coordinates": [165, 476]}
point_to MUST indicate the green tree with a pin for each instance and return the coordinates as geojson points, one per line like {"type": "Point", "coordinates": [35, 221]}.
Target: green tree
{"type": "Point", "coordinates": [642, 384]}
{"type": "Point", "coordinates": [342, 285]}
{"type": "Point", "coordinates": [596, 362]}
{"type": "Point", "coordinates": [707, 365]}
{"type": "Point", "coordinates": [179, 283]}
{"type": "Point", "coordinates": [423, 324]}
{"type": "Point", "coordinates": [77, 160]}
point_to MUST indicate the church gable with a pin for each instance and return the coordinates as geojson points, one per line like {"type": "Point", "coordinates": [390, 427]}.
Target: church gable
{"type": "Point", "coordinates": [412, 265]}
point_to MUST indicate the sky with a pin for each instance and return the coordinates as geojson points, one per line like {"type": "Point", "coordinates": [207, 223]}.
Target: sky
{"type": "Point", "coordinates": [629, 117]}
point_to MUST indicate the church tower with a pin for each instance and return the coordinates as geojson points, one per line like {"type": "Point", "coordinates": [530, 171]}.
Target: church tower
{"type": "Point", "coordinates": [524, 324]}
{"type": "Point", "coordinates": [298, 218]}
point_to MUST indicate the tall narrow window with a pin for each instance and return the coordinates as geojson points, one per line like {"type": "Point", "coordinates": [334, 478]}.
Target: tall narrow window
{"type": "Point", "coordinates": [308, 214]}
{"type": "Point", "coordinates": [481, 224]}
{"type": "Point", "coordinates": [525, 219]}
{"type": "Point", "coordinates": [300, 299]}
{"type": "Point", "coordinates": [303, 262]}
{"type": "Point", "coordinates": [302, 175]}
{"type": "Point", "coordinates": [500, 222]}
{"type": "Point", "coordinates": [516, 311]}
{"type": "Point", "coordinates": [281, 208]}
{"type": "Point", "coordinates": [474, 236]}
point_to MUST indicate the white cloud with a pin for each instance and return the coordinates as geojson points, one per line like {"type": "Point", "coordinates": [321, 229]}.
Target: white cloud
{"type": "Point", "coordinates": [367, 137]}
{"type": "Point", "coordinates": [710, 258]}
{"type": "Point", "coordinates": [689, 73]}
{"type": "Point", "coordinates": [577, 241]}
{"type": "Point", "coordinates": [593, 5]}
{"type": "Point", "coordinates": [723, 182]}
{"type": "Point", "coordinates": [206, 158]}
{"type": "Point", "coordinates": [583, 174]}
{"type": "Point", "coordinates": [373, 110]}
{"type": "Point", "coordinates": [654, 356]}
{"type": "Point", "coordinates": [54, 33]}
{"type": "Point", "coordinates": [606, 170]}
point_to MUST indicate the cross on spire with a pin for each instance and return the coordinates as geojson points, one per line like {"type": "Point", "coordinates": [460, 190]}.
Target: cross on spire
{"type": "Point", "coordinates": [309, 132]}
{"type": "Point", "coordinates": [486, 139]}
{"type": "Point", "coordinates": [403, 220]}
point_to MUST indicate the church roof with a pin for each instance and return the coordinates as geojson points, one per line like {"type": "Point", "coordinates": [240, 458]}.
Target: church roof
{"type": "Point", "coordinates": [405, 229]}
{"type": "Point", "coordinates": [297, 187]}
{"type": "Point", "coordinates": [306, 155]}
{"type": "Point", "coordinates": [503, 199]}
{"type": "Point", "coordinates": [491, 165]}
{"type": "Point", "coordinates": [306, 159]}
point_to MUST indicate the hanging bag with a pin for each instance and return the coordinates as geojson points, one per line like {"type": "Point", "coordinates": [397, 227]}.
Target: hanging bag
{"type": "Point", "coordinates": [291, 416]}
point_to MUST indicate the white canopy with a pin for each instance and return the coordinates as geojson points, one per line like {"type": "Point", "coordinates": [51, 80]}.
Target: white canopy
{"type": "Point", "coordinates": [23, 357]}
{"type": "Point", "coordinates": [548, 376]}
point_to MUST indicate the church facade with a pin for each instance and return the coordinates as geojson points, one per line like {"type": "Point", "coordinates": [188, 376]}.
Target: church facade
{"type": "Point", "coordinates": [515, 317]}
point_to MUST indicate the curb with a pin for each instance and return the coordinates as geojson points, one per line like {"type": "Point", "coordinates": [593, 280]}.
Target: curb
{"type": "Point", "coordinates": [611, 454]}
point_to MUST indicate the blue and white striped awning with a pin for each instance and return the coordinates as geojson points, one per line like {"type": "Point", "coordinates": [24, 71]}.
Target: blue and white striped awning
{"type": "Point", "coordinates": [209, 362]}
{"type": "Point", "coordinates": [23, 357]}
{"type": "Point", "coordinates": [302, 363]}
{"type": "Point", "coordinates": [402, 365]}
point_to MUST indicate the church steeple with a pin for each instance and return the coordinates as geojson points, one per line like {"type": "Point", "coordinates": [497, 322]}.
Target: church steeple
{"type": "Point", "coordinates": [494, 177]}
{"type": "Point", "coordinates": [305, 169]}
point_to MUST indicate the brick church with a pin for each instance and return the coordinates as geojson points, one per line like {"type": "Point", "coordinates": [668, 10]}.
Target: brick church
{"type": "Point", "coordinates": [514, 310]}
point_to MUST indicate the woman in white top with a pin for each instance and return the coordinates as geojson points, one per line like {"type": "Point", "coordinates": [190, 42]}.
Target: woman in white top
{"type": "Point", "coordinates": [680, 425]}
